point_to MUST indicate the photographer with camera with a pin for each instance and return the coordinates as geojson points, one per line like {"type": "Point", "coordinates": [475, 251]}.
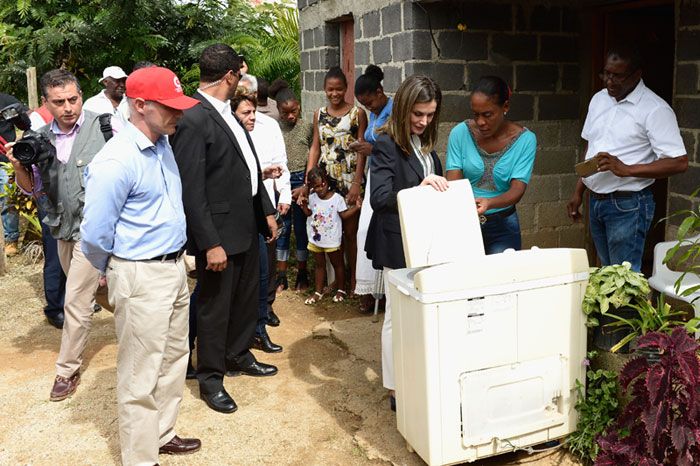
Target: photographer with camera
{"type": "Point", "coordinates": [50, 163]}
{"type": "Point", "coordinates": [13, 115]}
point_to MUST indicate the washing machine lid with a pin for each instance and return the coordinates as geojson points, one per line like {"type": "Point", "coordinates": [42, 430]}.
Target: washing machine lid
{"type": "Point", "coordinates": [508, 272]}
{"type": "Point", "coordinates": [439, 227]}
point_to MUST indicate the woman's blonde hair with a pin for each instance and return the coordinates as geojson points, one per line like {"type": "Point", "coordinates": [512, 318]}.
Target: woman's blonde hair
{"type": "Point", "coordinates": [243, 94]}
{"type": "Point", "coordinates": [413, 90]}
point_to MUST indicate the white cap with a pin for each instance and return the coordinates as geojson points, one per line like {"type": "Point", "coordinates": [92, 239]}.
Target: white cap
{"type": "Point", "coordinates": [114, 72]}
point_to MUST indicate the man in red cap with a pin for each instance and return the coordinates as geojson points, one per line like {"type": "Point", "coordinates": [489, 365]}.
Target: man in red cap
{"type": "Point", "coordinates": [133, 232]}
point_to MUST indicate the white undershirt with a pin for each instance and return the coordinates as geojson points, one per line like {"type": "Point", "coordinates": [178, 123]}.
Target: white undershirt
{"type": "Point", "coordinates": [224, 108]}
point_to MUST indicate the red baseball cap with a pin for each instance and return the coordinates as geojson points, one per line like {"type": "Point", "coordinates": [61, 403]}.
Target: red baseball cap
{"type": "Point", "coordinates": [159, 85]}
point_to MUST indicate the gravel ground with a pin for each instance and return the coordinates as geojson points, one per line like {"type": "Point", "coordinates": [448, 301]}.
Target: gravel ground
{"type": "Point", "coordinates": [326, 405]}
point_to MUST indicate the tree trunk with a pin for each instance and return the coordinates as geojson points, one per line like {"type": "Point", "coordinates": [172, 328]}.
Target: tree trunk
{"type": "Point", "coordinates": [3, 260]}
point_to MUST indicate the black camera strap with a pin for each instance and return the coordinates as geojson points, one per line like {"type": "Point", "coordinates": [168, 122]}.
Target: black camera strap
{"type": "Point", "coordinates": [106, 126]}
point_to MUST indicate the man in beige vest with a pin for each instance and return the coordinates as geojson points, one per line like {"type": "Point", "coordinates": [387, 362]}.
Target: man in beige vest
{"type": "Point", "coordinates": [75, 137]}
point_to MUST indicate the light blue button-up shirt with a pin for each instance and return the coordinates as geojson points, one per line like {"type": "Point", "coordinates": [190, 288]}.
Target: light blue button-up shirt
{"type": "Point", "coordinates": [133, 200]}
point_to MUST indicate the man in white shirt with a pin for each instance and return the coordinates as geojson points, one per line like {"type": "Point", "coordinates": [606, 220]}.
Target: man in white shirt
{"type": "Point", "coordinates": [107, 101]}
{"type": "Point", "coordinates": [634, 137]}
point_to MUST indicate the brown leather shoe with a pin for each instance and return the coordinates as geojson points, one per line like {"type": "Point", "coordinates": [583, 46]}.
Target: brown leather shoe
{"type": "Point", "coordinates": [180, 446]}
{"type": "Point", "coordinates": [64, 387]}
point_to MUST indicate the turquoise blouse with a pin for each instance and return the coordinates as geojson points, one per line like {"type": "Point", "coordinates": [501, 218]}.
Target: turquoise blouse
{"type": "Point", "coordinates": [490, 174]}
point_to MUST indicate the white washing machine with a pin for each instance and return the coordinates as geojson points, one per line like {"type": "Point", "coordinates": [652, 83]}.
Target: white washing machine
{"type": "Point", "coordinates": [487, 349]}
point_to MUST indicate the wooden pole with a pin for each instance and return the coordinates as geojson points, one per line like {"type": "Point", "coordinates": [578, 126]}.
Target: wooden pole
{"type": "Point", "coordinates": [32, 95]}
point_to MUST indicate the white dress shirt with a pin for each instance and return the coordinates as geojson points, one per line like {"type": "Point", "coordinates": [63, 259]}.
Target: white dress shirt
{"type": "Point", "coordinates": [269, 145]}
{"type": "Point", "coordinates": [224, 108]}
{"type": "Point", "coordinates": [639, 129]}
{"type": "Point", "coordinates": [100, 104]}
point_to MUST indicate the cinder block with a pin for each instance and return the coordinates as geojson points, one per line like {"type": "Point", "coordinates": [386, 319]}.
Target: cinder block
{"type": "Point", "coordinates": [686, 183]}
{"type": "Point", "coordinates": [687, 45]}
{"type": "Point", "coordinates": [555, 161]}
{"type": "Point", "coordinates": [552, 214]}
{"type": "Point", "coordinates": [462, 45]}
{"type": "Point", "coordinates": [391, 19]}
{"type": "Point", "coordinates": [687, 79]}
{"type": "Point", "coordinates": [559, 107]}
{"type": "Point", "coordinates": [573, 236]}
{"type": "Point", "coordinates": [370, 24]}
{"type": "Point", "coordinates": [687, 112]}
{"type": "Point", "coordinates": [449, 76]}
{"type": "Point", "coordinates": [536, 77]}
{"type": "Point", "coordinates": [522, 107]}
{"type": "Point", "coordinates": [559, 49]}
{"type": "Point", "coordinates": [416, 45]}
{"type": "Point", "coordinates": [381, 50]}
{"type": "Point", "coordinates": [511, 47]}
{"type": "Point", "coordinates": [542, 189]}
{"type": "Point", "coordinates": [541, 238]}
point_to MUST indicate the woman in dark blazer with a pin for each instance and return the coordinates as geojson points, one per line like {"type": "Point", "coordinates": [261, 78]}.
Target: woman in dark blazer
{"type": "Point", "coordinates": [403, 157]}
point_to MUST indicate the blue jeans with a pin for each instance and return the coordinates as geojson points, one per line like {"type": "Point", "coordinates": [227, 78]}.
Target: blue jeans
{"type": "Point", "coordinates": [501, 233]}
{"type": "Point", "coordinates": [295, 217]}
{"type": "Point", "coordinates": [619, 227]}
{"type": "Point", "coordinates": [10, 218]}
{"type": "Point", "coordinates": [54, 278]}
{"type": "Point", "coordinates": [263, 293]}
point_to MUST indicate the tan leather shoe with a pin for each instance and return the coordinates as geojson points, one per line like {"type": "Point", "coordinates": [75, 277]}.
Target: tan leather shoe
{"type": "Point", "coordinates": [11, 249]}
{"type": "Point", "coordinates": [180, 446]}
{"type": "Point", "coordinates": [64, 387]}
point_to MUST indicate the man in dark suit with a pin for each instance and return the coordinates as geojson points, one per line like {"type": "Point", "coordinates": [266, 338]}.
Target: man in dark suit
{"type": "Point", "coordinates": [226, 207]}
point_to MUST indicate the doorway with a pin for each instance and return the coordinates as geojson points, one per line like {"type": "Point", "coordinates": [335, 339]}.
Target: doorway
{"type": "Point", "coordinates": [650, 24]}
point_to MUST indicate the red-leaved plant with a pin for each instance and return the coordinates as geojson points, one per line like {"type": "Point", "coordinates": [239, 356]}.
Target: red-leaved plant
{"type": "Point", "coordinates": [661, 424]}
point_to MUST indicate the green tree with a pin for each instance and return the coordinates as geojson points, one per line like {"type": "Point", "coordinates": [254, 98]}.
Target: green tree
{"type": "Point", "coordinates": [85, 36]}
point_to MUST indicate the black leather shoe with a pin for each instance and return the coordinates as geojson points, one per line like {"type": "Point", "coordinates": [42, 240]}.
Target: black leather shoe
{"type": "Point", "coordinates": [191, 371]}
{"type": "Point", "coordinates": [257, 369]}
{"type": "Point", "coordinates": [263, 343]}
{"type": "Point", "coordinates": [272, 319]}
{"type": "Point", "coordinates": [219, 401]}
{"type": "Point", "coordinates": [56, 320]}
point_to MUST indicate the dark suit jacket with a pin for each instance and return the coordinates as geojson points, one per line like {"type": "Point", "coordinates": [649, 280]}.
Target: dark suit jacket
{"type": "Point", "coordinates": [391, 170]}
{"type": "Point", "coordinates": [219, 206]}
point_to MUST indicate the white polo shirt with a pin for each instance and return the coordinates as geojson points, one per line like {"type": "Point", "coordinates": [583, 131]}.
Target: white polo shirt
{"type": "Point", "coordinates": [639, 129]}
{"type": "Point", "coordinates": [269, 145]}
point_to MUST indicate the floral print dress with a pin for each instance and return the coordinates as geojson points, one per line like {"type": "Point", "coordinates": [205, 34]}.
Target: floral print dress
{"type": "Point", "coordinates": [335, 135]}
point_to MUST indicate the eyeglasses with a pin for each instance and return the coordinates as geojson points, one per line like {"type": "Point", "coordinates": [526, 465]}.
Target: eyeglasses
{"type": "Point", "coordinates": [617, 78]}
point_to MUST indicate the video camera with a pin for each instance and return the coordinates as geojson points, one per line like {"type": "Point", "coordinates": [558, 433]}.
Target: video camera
{"type": "Point", "coordinates": [16, 114]}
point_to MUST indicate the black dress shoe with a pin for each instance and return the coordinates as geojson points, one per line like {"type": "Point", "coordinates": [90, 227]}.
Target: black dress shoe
{"type": "Point", "coordinates": [263, 343]}
{"type": "Point", "coordinates": [257, 369]}
{"type": "Point", "coordinates": [56, 320]}
{"type": "Point", "coordinates": [272, 319]}
{"type": "Point", "coordinates": [219, 401]}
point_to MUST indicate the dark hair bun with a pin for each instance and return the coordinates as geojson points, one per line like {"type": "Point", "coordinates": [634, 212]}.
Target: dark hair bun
{"type": "Point", "coordinates": [276, 86]}
{"type": "Point", "coordinates": [374, 72]}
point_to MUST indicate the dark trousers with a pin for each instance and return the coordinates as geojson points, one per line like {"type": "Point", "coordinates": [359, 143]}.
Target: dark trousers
{"type": "Point", "coordinates": [268, 287]}
{"type": "Point", "coordinates": [227, 312]}
{"type": "Point", "coordinates": [54, 278]}
{"type": "Point", "coordinates": [193, 315]}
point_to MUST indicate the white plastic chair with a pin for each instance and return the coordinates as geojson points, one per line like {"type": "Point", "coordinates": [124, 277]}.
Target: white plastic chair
{"type": "Point", "coordinates": [664, 279]}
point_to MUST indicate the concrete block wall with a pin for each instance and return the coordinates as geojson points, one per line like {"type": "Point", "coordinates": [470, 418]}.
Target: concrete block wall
{"type": "Point", "coordinates": [534, 47]}
{"type": "Point", "coordinates": [686, 103]}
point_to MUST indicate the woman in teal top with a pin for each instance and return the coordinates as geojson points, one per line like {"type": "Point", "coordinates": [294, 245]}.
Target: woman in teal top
{"type": "Point", "coordinates": [496, 155]}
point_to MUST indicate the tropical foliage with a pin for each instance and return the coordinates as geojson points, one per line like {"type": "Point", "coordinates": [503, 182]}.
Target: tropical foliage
{"type": "Point", "coordinates": [85, 36]}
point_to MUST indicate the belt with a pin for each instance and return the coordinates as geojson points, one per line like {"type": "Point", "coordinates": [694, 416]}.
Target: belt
{"type": "Point", "coordinates": [168, 257]}
{"type": "Point", "coordinates": [500, 214]}
{"type": "Point", "coordinates": [618, 194]}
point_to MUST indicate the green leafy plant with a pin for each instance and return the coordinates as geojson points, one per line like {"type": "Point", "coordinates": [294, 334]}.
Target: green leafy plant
{"type": "Point", "coordinates": [597, 406]}
{"type": "Point", "coordinates": [650, 318]}
{"type": "Point", "coordinates": [685, 254]}
{"type": "Point", "coordinates": [20, 202]}
{"type": "Point", "coordinates": [613, 286]}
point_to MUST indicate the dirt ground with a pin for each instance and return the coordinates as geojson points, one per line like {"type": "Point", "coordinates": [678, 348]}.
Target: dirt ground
{"type": "Point", "coordinates": [326, 405]}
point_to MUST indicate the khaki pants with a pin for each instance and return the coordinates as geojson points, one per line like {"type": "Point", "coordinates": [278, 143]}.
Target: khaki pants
{"type": "Point", "coordinates": [81, 284]}
{"type": "Point", "coordinates": [151, 302]}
